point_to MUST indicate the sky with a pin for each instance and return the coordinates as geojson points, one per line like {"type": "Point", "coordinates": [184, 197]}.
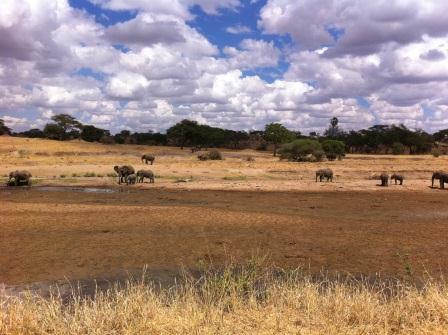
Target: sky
{"type": "Point", "coordinates": [143, 65]}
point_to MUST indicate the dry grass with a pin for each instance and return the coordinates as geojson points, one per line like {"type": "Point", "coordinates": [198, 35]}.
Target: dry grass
{"type": "Point", "coordinates": [47, 160]}
{"type": "Point", "coordinates": [249, 300]}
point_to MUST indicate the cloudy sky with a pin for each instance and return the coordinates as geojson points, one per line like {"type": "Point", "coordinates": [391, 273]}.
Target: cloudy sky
{"type": "Point", "coordinates": [146, 64]}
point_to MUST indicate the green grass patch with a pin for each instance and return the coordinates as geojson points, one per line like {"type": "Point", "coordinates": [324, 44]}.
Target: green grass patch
{"type": "Point", "coordinates": [240, 177]}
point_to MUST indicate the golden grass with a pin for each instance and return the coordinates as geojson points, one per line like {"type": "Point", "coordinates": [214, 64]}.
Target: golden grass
{"type": "Point", "coordinates": [249, 300]}
{"type": "Point", "coordinates": [47, 160]}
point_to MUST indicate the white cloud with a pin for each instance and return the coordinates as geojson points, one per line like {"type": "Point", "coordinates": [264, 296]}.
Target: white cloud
{"type": "Point", "coordinates": [393, 54]}
{"type": "Point", "coordinates": [238, 29]}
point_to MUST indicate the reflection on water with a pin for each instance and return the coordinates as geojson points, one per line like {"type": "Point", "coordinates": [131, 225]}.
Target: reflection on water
{"type": "Point", "coordinates": [70, 189]}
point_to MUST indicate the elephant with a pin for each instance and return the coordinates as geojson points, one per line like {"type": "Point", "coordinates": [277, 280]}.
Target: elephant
{"type": "Point", "coordinates": [148, 158]}
{"type": "Point", "coordinates": [17, 178]}
{"type": "Point", "coordinates": [131, 179]}
{"type": "Point", "coordinates": [384, 177]}
{"type": "Point", "coordinates": [142, 174]}
{"type": "Point", "coordinates": [397, 177]}
{"type": "Point", "coordinates": [324, 173]}
{"type": "Point", "coordinates": [441, 176]}
{"type": "Point", "coordinates": [123, 172]}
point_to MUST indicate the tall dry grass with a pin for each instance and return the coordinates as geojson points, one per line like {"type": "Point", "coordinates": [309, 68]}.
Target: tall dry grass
{"type": "Point", "coordinates": [249, 300]}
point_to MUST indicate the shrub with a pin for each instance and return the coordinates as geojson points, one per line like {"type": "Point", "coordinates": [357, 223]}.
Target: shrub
{"type": "Point", "coordinates": [62, 176]}
{"type": "Point", "coordinates": [302, 150]}
{"type": "Point", "coordinates": [436, 152]}
{"type": "Point", "coordinates": [398, 148]}
{"type": "Point", "coordinates": [89, 174]}
{"type": "Point", "coordinates": [333, 149]}
{"type": "Point", "coordinates": [212, 155]}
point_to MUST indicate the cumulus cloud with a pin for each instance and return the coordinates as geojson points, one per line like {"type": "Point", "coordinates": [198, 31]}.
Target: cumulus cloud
{"type": "Point", "coordinates": [238, 29]}
{"type": "Point", "coordinates": [253, 54]}
{"type": "Point", "coordinates": [56, 59]}
{"type": "Point", "coordinates": [145, 29]}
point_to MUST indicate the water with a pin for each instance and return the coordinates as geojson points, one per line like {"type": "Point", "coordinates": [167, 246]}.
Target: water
{"type": "Point", "coordinates": [68, 189]}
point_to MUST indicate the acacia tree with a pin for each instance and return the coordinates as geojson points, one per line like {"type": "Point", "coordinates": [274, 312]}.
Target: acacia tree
{"type": "Point", "coordinates": [183, 133]}
{"type": "Point", "coordinates": [64, 127]}
{"type": "Point", "coordinates": [71, 126]}
{"type": "Point", "coordinates": [3, 128]}
{"type": "Point", "coordinates": [276, 134]}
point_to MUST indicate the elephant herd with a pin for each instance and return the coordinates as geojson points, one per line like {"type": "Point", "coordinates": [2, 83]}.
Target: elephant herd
{"type": "Point", "coordinates": [442, 177]}
{"type": "Point", "coordinates": [126, 174]}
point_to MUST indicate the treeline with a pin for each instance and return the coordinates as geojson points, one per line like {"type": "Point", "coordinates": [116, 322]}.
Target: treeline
{"type": "Point", "coordinates": [379, 139]}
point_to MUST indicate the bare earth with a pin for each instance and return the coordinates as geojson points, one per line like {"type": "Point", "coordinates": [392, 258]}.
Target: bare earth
{"type": "Point", "coordinates": [229, 208]}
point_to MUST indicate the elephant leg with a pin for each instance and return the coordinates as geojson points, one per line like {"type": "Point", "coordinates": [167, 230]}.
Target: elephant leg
{"type": "Point", "coordinates": [442, 184]}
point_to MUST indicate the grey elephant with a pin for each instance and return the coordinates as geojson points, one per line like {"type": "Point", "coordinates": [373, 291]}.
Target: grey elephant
{"type": "Point", "coordinates": [21, 177]}
{"type": "Point", "coordinates": [441, 176]}
{"type": "Point", "coordinates": [397, 177]}
{"type": "Point", "coordinates": [148, 158]}
{"type": "Point", "coordinates": [123, 172]}
{"type": "Point", "coordinates": [142, 174]}
{"type": "Point", "coordinates": [324, 173]}
{"type": "Point", "coordinates": [131, 179]}
{"type": "Point", "coordinates": [384, 177]}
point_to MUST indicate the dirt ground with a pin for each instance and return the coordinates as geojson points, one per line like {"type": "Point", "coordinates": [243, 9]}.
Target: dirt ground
{"type": "Point", "coordinates": [49, 235]}
{"type": "Point", "coordinates": [200, 212]}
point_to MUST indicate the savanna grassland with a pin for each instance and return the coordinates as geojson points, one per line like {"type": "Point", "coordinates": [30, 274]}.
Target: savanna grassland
{"type": "Point", "coordinates": [76, 223]}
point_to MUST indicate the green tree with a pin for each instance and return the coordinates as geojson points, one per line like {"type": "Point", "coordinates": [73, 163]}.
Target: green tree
{"type": "Point", "coordinates": [33, 133]}
{"type": "Point", "coordinates": [91, 133]}
{"type": "Point", "coordinates": [300, 150]}
{"type": "Point", "coordinates": [3, 128]}
{"type": "Point", "coordinates": [333, 130]}
{"type": "Point", "coordinates": [64, 127]}
{"type": "Point", "coordinates": [183, 133]}
{"type": "Point", "coordinates": [398, 148]}
{"type": "Point", "coordinates": [54, 131]}
{"type": "Point", "coordinates": [333, 149]}
{"type": "Point", "coordinates": [277, 134]}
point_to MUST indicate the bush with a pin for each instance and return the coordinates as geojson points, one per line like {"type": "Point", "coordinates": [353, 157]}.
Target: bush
{"type": "Point", "coordinates": [436, 152]}
{"type": "Point", "coordinates": [302, 150]}
{"type": "Point", "coordinates": [212, 155]}
{"type": "Point", "coordinates": [333, 149]}
{"type": "Point", "coordinates": [398, 148]}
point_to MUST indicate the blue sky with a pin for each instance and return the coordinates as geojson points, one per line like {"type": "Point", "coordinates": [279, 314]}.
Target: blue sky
{"type": "Point", "coordinates": [144, 65]}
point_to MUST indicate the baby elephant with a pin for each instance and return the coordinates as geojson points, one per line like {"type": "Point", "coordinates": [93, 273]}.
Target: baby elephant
{"type": "Point", "coordinates": [384, 177]}
{"type": "Point", "coordinates": [17, 178]}
{"type": "Point", "coordinates": [324, 173]}
{"type": "Point", "coordinates": [148, 158]}
{"type": "Point", "coordinates": [131, 179]}
{"type": "Point", "coordinates": [397, 177]}
{"type": "Point", "coordinates": [142, 174]}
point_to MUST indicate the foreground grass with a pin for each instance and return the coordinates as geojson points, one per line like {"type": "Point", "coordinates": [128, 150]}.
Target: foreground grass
{"type": "Point", "coordinates": [251, 300]}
